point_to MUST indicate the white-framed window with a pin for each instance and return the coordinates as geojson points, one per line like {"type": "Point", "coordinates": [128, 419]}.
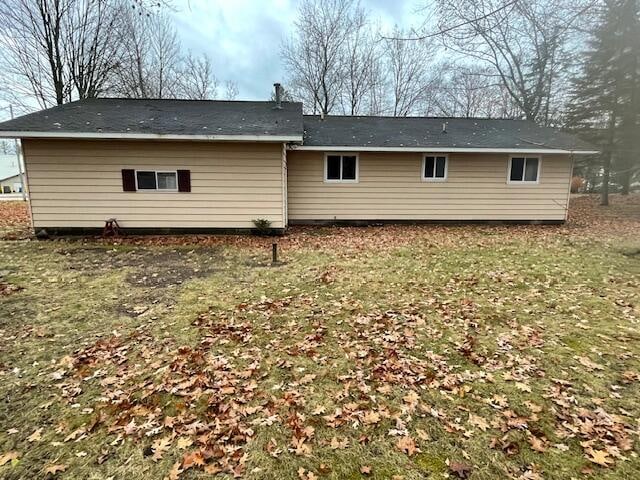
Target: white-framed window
{"type": "Point", "coordinates": [341, 168]}
{"type": "Point", "coordinates": [434, 168]}
{"type": "Point", "coordinates": [166, 181]}
{"type": "Point", "coordinates": [524, 169]}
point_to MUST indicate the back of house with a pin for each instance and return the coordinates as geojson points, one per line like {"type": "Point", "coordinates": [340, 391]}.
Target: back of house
{"type": "Point", "coordinates": [195, 166]}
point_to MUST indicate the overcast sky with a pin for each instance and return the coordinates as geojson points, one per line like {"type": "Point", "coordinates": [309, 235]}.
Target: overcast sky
{"type": "Point", "coordinates": [243, 37]}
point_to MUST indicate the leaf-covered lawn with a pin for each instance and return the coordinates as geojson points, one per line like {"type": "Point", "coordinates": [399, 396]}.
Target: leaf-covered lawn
{"type": "Point", "coordinates": [397, 352]}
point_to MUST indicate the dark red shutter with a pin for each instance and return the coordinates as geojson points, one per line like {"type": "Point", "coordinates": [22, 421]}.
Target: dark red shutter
{"type": "Point", "coordinates": [184, 180]}
{"type": "Point", "coordinates": [129, 180]}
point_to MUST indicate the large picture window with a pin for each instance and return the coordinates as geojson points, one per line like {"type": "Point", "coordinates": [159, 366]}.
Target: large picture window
{"type": "Point", "coordinates": [341, 168]}
{"type": "Point", "coordinates": [524, 169]}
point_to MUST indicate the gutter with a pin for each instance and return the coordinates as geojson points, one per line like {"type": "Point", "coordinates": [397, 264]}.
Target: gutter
{"type": "Point", "coordinates": [152, 136]}
{"type": "Point", "coordinates": [336, 148]}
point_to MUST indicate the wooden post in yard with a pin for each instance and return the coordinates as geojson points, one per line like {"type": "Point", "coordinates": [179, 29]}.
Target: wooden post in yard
{"type": "Point", "coordinates": [274, 253]}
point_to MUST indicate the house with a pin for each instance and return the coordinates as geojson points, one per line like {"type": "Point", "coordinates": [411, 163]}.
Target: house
{"type": "Point", "coordinates": [10, 184]}
{"type": "Point", "coordinates": [9, 175]}
{"type": "Point", "coordinates": [192, 166]}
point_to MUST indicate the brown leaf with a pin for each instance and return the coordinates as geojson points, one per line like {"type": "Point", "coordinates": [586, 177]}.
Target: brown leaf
{"type": "Point", "coordinates": [160, 447]}
{"type": "Point", "coordinates": [591, 365]}
{"type": "Point", "coordinates": [371, 418]}
{"type": "Point", "coordinates": [336, 444]}
{"type": "Point", "coordinates": [537, 444]}
{"type": "Point", "coordinates": [407, 445]}
{"type": "Point", "coordinates": [599, 457]}
{"type": "Point", "coordinates": [184, 442]}
{"type": "Point", "coordinates": [8, 457]}
{"type": "Point", "coordinates": [191, 459]}
{"type": "Point", "coordinates": [479, 422]}
{"type": "Point", "coordinates": [54, 469]}
{"type": "Point", "coordinates": [175, 472]}
{"type": "Point", "coordinates": [36, 436]}
{"type": "Point", "coordinates": [460, 469]}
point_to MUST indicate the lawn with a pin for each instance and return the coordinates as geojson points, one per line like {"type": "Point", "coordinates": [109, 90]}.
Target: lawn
{"type": "Point", "coordinates": [478, 352]}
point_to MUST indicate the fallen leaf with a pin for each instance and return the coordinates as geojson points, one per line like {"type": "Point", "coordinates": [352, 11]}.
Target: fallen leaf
{"type": "Point", "coordinates": [191, 459]}
{"type": "Point", "coordinates": [591, 365]}
{"type": "Point", "coordinates": [36, 436]}
{"type": "Point", "coordinates": [54, 469]}
{"type": "Point", "coordinates": [8, 457]}
{"type": "Point", "coordinates": [175, 472]}
{"type": "Point", "coordinates": [460, 469]}
{"type": "Point", "coordinates": [479, 422]}
{"type": "Point", "coordinates": [336, 444]}
{"type": "Point", "coordinates": [407, 445]}
{"type": "Point", "coordinates": [599, 457]}
{"type": "Point", "coordinates": [184, 442]}
{"type": "Point", "coordinates": [523, 387]}
{"type": "Point", "coordinates": [160, 447]}
{"type": "Point", "coordinates": [365, 470]}
{"type": "Point", "coordinates": [371, 418]}
{"type": "Point", "coordinates": [537, 444]}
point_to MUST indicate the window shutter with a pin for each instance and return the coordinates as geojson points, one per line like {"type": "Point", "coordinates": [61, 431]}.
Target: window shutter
{"type": "Point", "coordinates": [184, 180]}
{"type": "Point", "coordinates": [129, 180]}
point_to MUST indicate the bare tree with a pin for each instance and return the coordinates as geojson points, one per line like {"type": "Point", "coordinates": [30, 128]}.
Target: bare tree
{"type": "Point", "coordinates": [468, 91]}
{"type": "Point", "coordinates": [230, 90]}
{"type": "Point", "coordinates": [313, 56]}
{"type": "Point", "coordinates": [408, 79]}
{"type": "Point", "coordinates": [525, 43]}
{"type": "Point", "coordinates": [32, 49]}
{"type": "Point", "coordinates": [92, 51]}
{"type": "Point", "coordinates": [164, 70]}
{"type": "Point", "coordinates": [360, 65]}
{"type": "Point", "coordinates": [132, 72]}
{"type": "Point", "coordinates": [196, 80]}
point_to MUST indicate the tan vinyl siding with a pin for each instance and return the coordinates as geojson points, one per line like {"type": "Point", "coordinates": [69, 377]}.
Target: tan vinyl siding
{"type": "Point", "coordinates": [390, 187]}
{"type": "Point", "coordinates": [75, 183]}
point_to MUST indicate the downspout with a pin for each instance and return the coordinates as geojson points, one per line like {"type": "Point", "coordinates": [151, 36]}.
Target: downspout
{"type": "Point", "coordinates": [285, 194]}
{"type": "Point", "coordinates": [566, 210]}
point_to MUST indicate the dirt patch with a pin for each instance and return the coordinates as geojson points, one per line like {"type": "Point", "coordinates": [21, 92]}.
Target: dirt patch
{"type": "Point", "coordinates": [8, 288]}
{"type": "Point", "coordinates": [148, 267]}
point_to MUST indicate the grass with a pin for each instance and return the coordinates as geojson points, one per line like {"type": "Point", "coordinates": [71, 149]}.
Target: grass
{"type": "Point", "coordinates": [470, 341]}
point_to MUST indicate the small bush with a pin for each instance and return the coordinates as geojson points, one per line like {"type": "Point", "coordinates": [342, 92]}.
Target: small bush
{"type": "Point", "coordinates": [263, 226]}
{"type": "Point", "coordinates": [577, 184]}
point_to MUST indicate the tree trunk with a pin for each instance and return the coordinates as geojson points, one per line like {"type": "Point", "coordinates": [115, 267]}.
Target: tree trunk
{"type": "Point", "coordinates": [604, 191]}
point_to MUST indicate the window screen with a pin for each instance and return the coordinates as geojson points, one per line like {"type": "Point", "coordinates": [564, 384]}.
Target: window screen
{"type": "Point", "coordinates": [167, 181]}
{"type": "Point", "coordinates": [531, 170]}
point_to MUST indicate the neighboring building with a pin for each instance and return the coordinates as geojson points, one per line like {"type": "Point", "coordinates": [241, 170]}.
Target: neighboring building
{"type": "Point", "coordinates": [10, 185]}
{"type": "Point", "coordinates": [9, 174]}
{"type": "Point", "coordinates": [193, 165]}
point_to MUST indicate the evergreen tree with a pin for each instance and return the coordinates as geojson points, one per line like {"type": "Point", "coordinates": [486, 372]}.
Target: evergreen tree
{"type": "Point", "coordinates": [605, 103]}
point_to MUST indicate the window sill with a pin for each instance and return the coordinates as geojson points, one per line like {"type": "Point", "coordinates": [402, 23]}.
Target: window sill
{"type": "Point", "coordinates": [434, 180]}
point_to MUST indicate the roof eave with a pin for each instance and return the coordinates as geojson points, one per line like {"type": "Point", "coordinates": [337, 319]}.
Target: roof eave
{"type": "Point", "coordinates": [337, 148]}
{"type": "Point", "coordinates": [151, 136]}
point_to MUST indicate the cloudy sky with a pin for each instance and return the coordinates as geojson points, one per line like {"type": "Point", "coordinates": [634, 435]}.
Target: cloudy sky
{"type": "Point", "coordinates": [243, 37]}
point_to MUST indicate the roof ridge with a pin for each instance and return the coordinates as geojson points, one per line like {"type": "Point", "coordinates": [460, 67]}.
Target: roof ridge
{"type": "Point", "coordinates": [416, 116]}
{"type": "Point", "coordinates": [173, 100]}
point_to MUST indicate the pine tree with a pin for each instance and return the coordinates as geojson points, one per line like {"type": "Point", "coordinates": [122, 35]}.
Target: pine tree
{"type": "Point", "coordinates": [605, 103]}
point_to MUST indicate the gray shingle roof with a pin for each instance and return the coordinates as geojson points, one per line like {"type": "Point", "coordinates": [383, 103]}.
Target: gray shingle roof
{"type": "Point", "coordinates": [164, 117]}
{"type": "Point", "coordinates": [426, 132]}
